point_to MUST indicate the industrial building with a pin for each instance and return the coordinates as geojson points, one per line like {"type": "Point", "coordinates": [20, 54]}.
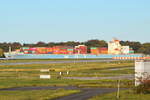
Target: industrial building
{"type": "Point", "coordinates": [114, 47]}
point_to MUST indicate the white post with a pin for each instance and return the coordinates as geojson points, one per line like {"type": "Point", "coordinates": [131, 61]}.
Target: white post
{"type": "Point", "coordinates": [9, 51]}
{"type": "Point", "coordinates": [118, 91]}
{"type": "Point", "coordinates": [60, 73]}
{"type": "Point", "coordinates": [67, 72]}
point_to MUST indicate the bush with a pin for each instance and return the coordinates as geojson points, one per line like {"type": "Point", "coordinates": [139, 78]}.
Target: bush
{"type": "Point", "coordinates": [1, 53]}
{"type": "Point", "coordinates": [144, 86]}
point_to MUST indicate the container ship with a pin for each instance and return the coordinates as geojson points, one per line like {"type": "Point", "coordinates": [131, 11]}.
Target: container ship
{"type": "Point", "coordinates": [64, 56]}
{"type": "Point", "coordinates": [113, 50]}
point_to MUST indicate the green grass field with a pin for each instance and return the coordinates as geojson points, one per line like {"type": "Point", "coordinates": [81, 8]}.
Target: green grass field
{"type": "Point", "coordinates": [28, 75]}
{"type": "Point", "coordinates": [75, 69]}
{"type": "Point", "coordinates": [35, 94]}
{"type": "Point", "coordinates": [7, 83]}
{"type": "Point", "coordinates": [124, 95]}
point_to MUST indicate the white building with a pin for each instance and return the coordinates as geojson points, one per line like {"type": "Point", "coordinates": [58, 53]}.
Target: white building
{"type": "Point", "coordinates": [114, 47]}
{"type": "Point", "coordinates": [142, 70]}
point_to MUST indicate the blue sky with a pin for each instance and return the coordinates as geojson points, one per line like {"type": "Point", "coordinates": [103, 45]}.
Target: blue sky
{"type": "Point", "coordinates": [29, 21]}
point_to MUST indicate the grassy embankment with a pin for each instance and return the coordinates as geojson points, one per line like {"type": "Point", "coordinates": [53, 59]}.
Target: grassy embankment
{"type": "Point", "coordinates": [28, 75]}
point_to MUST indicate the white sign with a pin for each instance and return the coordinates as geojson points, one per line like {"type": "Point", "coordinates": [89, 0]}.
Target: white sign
{"type": "Point", "coordinates": [44, 70]}
{"type": "Point", "coordinates": [45, 76]}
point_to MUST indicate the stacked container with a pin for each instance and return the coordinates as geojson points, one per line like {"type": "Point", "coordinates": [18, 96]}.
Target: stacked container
{"type": "Point", "coordinates": [81, 49]}
{"type": "Point", "coordinates": [103, 50]}
{"type": "Point", "coordinates": [94, 50]}
{"type": "Point", "coordinates": [49, 50]}
{"type": "Point", "coordinates": [41, 50]}
{"type": "Point", "coordinates": [17, 50]}
{"type": "Point", "coordinates": [97, 50]}
{"type": "Point", "coordinates": [63, 50]}
{"type": "Point", "coordinates": [70, 50]}
{"type": "Point", "coordinates": [24, 50]}
{"type": "Point", "coordinates": [131, 51]}
{"type": "Point", "coordinates": [32, 50]}
{"type": "Point", "coordinates": [56, 49]}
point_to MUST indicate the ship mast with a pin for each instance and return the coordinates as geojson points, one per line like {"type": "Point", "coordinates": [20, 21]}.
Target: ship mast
{"type": "Point", "coordinates": [9, 50]}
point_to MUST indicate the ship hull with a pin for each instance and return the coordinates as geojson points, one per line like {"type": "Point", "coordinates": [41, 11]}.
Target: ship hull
{"type": "Point", "coordinates": [62, 56]}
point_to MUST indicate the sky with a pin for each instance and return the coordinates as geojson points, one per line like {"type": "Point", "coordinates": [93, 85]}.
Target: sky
{"type": "Point", "coordinates": [30, 21]}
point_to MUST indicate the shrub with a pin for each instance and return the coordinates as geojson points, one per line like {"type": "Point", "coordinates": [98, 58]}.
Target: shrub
{"type": "Point", "coordinates": [144, 86]}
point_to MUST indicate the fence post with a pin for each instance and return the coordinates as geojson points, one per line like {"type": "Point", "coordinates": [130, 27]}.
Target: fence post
{"type": "Point", "coordinates": [118, 90]}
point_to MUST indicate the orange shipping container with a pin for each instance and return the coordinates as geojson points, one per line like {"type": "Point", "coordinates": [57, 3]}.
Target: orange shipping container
{"type": "Point", "coordinates": [41, 50]}
{"type": "Point", "coordinates": [104, 51]}
{"type": "Point", "coordinates": [94, 51]}
{"type": "Point", "coordinates": [49, 49]}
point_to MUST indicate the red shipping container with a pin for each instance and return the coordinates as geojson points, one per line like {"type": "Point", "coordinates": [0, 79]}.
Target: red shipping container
{"type": "Point", "coordinates": [41, 50]}
{"type": "Point", "coordinates": [49, 49]}
{"type": "Point", "coordinates": [94, 51]}
{"type": "Point", "coordinates": [81, 49]}
{"type": "Point", "coordinates": [103, 48]}
{"type": "Point", "coordinates": [33, 49]}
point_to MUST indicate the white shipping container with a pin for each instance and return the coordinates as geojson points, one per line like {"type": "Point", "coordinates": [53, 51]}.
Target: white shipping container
{"type": "Point", "coordinates": [44, 70]}
{"type": "Point", "coordinates": [125, 49]}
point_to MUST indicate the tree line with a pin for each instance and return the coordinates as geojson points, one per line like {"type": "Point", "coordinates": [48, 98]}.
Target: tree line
{"type": "Point", "coordinates": [136, 46]}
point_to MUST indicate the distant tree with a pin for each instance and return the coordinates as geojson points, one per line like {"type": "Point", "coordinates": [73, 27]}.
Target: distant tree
{"type": "Point", "coordinates": [72, 43]}
{"type": "Point", "coordinates": [69, 43]}
{"type": "Point", "coordinates": [40, 44]}
{"type": "Point", "coordinates": [15, 45]}
{"type": "Point", "coordinates": [145, 48]}
{"type": "Point", "coordinates": [137, 46]}
{"type": "Point", "coordinates": [5, 46]}
{"type": "Point", "coordinates": [103, 43]}
{"type": "Point", "coordinates": [95, 43]}
{"type": "Point", "coordinates": [1, 53]}
{"type": "Point", "coordinates": [51, 44]}
{"type": "Point", "coordinates": [28, 45]}
{"type": "Point", "coordinates": [134, 45]}
{"type": "Point", "coordinates": [60, 43]}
